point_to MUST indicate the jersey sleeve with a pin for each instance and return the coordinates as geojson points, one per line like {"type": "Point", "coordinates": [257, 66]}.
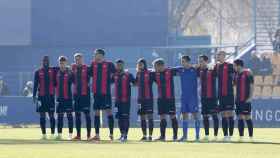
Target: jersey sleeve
{"type": "Point", "coordinates": [251, 78]}
{"type": "Point", "coordinates": [175, 71]}
{"type": "Point", "coordinates": [112, 67]}
{"type": "Point", "coordinates": [112, 78]}
{"type": "Point", "coordinates": [36, 83]}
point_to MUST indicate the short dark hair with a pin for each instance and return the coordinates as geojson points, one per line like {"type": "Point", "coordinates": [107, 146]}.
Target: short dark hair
{"type": "Point", "coordinates": [239, 62]}
{"type": "Point", "coordinates": [204, 57]}
{"type": "Point", "coordinates": [100, 51]}
{"type": "Point", "coordinates": [119, 61]}
{"type": "Point", "coordinates": [186, 57]}
{"type": "Point", "coordinates": [143, 61]}
{"type": "Point", "coordinates": [45, 57]}
{"type": "Point", "coordinates": [158, 61]}
{"type": "Point", "coordinates": [62, 58]}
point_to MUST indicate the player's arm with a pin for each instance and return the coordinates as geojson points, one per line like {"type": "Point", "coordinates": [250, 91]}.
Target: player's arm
{"type": "Point", "coordinates": [251, 80]}
{"type": "Point", "coordinates": [35, 86]}
{"type": "Point", "coordinates": [113, 68]}
{"type": "Point", "coordinates": [112, 80]}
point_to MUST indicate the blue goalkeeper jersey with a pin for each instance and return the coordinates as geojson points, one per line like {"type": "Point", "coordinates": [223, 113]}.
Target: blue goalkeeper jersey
{"type": "Point", "coordinates": [189, 85]}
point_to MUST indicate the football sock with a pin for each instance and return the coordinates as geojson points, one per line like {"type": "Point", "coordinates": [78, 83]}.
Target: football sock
{"type": "Point", "coordinates": [206, 125]}
{"type": "Point", "coordinates": [43, 122]}
{"type": "Point", "coordinates": [70, 122]}
{"type": "Point", "coordinates": [151, 126]}
{"type": "Point", "coordinates": [163, 125]}
{"type": "Point", "coordinates": [241, 127]}
{"type": "Point", "coordinates": [216, 124]}
{"type": "Point", "coordinates": [225, 126]}
{"type": "Point", "coordinates": [250, 127]}
{"type": "Point", "coordinates": [231, 125]}
{"type": "Point", "coordinates": [78, 123]}
{"type": "Point", "coordinates": [111, 124]}
{"type": "Point", "coordinates": [88, 123]}
{"type": "Point", "coordinates": [175, 126]}
{"type": "Point", "coordinates": [97, 124]}
{"type": "Point", "coordinates": [185, 129]}
{"type": "Point", "coordinates": [144, 127]}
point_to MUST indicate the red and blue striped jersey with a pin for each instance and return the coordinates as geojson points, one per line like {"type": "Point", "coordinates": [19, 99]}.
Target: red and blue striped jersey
{"type": "Point", "coordinates": [243, 81]}
{"type": "Point", "coordinates": [101, 77]}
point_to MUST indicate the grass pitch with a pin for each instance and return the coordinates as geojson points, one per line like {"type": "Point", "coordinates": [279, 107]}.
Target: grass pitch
{"type": "Point", "coordinates": [24, 142]}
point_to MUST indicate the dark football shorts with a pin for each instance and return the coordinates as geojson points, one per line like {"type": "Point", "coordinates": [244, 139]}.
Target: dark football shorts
{"type": "Point", "coordinates": [102, 102]}
{"type": "Point", "coordinates": [243, 108]}
{"type": "Point", "coordinates": [64, 106]}
{"type": "Point", "coordinates": [47, 104]}
{"type": "Point", "coordinates": [166, 106]}
{"type": "Point", "coordinates": [226, 103]}
{"type": "Point", "coordinates": [123, 110]}
{"type": "Point", "coordinates": [82, 103]}
{"type": "Point", "coordinates": [146, 107]}
{"type": "Point", "coordinates": [209, 106]}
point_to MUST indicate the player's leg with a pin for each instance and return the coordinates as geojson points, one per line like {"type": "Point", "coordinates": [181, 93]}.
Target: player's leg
{"type": "Point", "coordinates": [120, 120]}
{"type": "Point", "coordinates": [231, 122]}
{"type": "Point", "coordinates": [78, 124]}
{"type": "Point", "coordinates": [126, 120]}
{"type": "Point", "coordinates": [59, 125]}
{"type": "Point", "coordinates": [96, 125]}
{"type": "Point", "coordinates": [185, 125]}
{"type": "Point", "coordinates": [195, 116]}
{"type": "Point", "coordinates": [151, 126]}
{"type": "Point", "coordinates": [70, 124]}
{"type": "Point", "coordinates": [174, 123]}
{"type": "Point", "coordinates": [163, 125]}
{"type": "Point", "coordinates": [43, 125]}
{"type": "Point", "coordinates": [97, 109]}
{"type": "Point", "coordinates": [216, 125]}
{"type": "Point", "coordinates": [248, 119]}
{"type": "Point", "coordinates": [250, 126]}
{"type": "Point", "coordinates": [52, 122]}
{"type": "Point", "coordinates": [143, 126]}
{"type": "Point", "coordinates": [88, 123]}
{"type": "Point", "coordinates": [206, 126]}
{"type": "Point", "coordinates": [225, 124]}
{"type": "Point", "coordinates": [110, 118]}
{"type": "Point", "coordinates": [241, 125]}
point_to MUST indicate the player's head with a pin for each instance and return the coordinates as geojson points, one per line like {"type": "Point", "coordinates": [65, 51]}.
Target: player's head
{"type": "Point", "coordinates": [46, 61]}
{"type": "Point", "coordinates": [62, 62]}
{"type": "Point", "coordinates": [203, 60]}
{"type": "Point", "coordinates": [119, 65]}
{"type": "Point", "coordinates": [78, 57]}
{"type": "Point", "coordinates": [186, 61]}
{"type": "Point", "coordinates": [141, 64]}
{"type": "Point", "coordinates": [221, 56]}
{"type": "Point", "coordinates": [238, 65]}
{"type": "Point", "coordinates": [99, 55]}
{"type": "Point", "coordinates": [159, 65]}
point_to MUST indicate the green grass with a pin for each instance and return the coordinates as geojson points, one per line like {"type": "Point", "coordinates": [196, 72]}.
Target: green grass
{"type": "Point", "coordinates": [24, 142]}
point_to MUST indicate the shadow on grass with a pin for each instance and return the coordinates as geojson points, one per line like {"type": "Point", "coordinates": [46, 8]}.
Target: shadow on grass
{"type": "Point", "coordinates": [42, 142]}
